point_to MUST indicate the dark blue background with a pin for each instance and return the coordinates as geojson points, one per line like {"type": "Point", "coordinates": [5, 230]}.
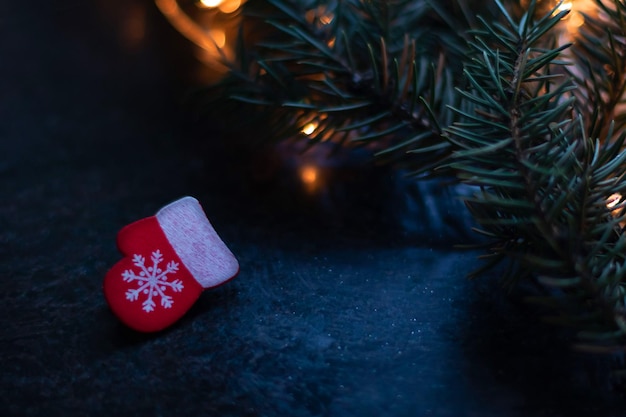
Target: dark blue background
{"type": "Point", "coordinates": [335, 312]}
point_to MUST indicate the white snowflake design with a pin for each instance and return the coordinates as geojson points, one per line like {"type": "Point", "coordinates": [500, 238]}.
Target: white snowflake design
{"type": "Point", "coordinates": [152, 281]}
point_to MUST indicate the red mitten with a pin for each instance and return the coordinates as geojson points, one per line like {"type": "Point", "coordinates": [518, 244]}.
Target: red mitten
{"type": "Point", "coordinates": [168, 260]}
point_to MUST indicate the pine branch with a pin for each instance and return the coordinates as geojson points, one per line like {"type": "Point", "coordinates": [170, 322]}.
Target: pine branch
{"type": "Point", "coordinates": [600, 70]}
{"type": "Point", "coordinates": [378, 74]}
{"type": "Point", "coordinates": [499, 105]}
{"type": "Point", "coordinates": [544, 184]}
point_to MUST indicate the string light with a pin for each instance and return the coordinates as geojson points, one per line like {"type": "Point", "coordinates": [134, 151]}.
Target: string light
{"type": "Point", "coordinates": [229, 6]}
{"type": "Point", "coordinates": [308, 174]}
{"type": "Point", "coordinates": [320, 16]}
{"type": "Point", "coordinates": [219, 37]}
{"type": "Point", "coordinates": [577, 9]}
{"type": "Point", "coordinates": [326, 19]}
{"type": "Point", "coordinates": [212, 26]}
{"type": "Point", "coordinates": [210, 4]}
{"type": "Point", "coordinates": [612, 202]}
{"type": "Point", "coordinates": [615, 204]}
{"type": "Point", "coordinates": [564, 6]}
{"type": "Point", "coordinates": [575, 18]}
{"type": "Point", "coordinates": [309, 128]}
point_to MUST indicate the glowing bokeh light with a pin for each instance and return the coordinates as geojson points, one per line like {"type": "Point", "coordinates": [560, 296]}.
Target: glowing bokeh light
{"type": "Point", "coordinates": [209, 4]}
{"type": "Point", "coordinates": [219, 37]}
{"type": "Point", "coordinates": [230, 6]}
{"type": "Point", "coordinates": [309, 128]}
{"type": "Point", "coordinates": [308, 174]}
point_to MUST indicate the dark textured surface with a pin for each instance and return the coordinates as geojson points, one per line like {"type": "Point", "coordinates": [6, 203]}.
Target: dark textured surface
{"type": "Point", "coordinates": [327, 317]}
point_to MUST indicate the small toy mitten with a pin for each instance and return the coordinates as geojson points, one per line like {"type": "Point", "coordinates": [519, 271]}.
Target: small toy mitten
{"type": "Point", "coordinates": [168, 260]}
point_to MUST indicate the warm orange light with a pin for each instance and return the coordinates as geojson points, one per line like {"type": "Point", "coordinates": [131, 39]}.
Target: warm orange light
{"type": "Point", "coordinates": [326, 19]}
{"type": "Point", "coordinates": [229, 6]}
{"type": "Point", "coordinates": [308, 175]}
{"type": "Point", "coordinates": [576, 8]}
{"type": "Point", "coordinates": [168, 7]}
{"type": "Point", "coordinates": [209, 4]}
{"type": "Point", "coordinates": [613, 200]}
{"type": "Point", "coordinates": [219, 37]}
{"type": "Point", "coordinates": [319, 14]}
{"type": "Point", "coordinates": [613, 204]}
{"type": "Point", "coordinates": [576, 20]}
{"type": "Point", "coordinates": [185, 25]}
{"type": "Point", "coordinates": [564, 6]}
{"type": "Point", "coordinates": [309, 128]}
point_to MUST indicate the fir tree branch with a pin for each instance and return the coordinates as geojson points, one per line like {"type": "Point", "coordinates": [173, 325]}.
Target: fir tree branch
{"type": "Point", "coordinates": [373, 73]}
{"type": "Point", "coordinates": [544, 184]}
{"type": "Point", "coordinates": [600, 70]}
{"type": "Point", "coordinates": [543, 142]}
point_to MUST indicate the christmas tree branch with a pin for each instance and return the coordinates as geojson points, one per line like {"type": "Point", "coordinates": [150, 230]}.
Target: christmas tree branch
{"type": "Point", "coordinates": [544, 183]}
{"type": "Point", "coordinates": [375, 74]}
{"type": "Point", "coordinates": [537, 127]}
{"type": "Point", "coordinates": [600, 70]}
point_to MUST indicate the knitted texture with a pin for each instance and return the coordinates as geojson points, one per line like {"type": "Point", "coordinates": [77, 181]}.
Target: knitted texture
{"type": "Point", "coordinates": [195, 240]}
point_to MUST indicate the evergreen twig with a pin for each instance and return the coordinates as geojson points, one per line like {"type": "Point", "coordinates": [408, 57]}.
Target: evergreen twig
{"type": "Point", "coordinates": [537, 127]}
{"type": "Point", "coordinates": [544, 183]}
{"type": "Point", "coordinates": [368, 73]}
